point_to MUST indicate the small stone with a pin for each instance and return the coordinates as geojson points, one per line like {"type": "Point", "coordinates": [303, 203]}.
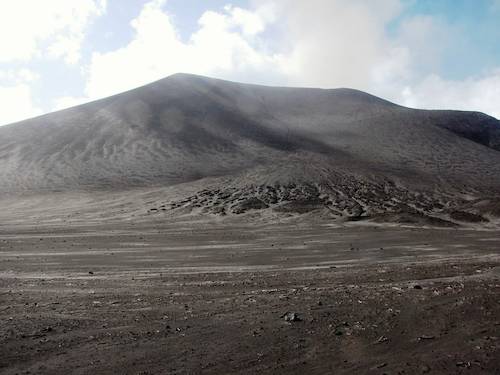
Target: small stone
{"type": "Point", "coordinates": [426, 337]}
{"type": "Point", "coordinates": [382, 339]}
{"type": "Point", "coordinates": [291, 317]}
{"type": "Point", "coordinates": [380, 365]}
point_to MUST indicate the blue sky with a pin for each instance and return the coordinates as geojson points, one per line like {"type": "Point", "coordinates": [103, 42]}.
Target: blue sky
{"type": "Point", "coordinates": [476, 24]}
{"type": "Point", "coordinates": [419, 53]}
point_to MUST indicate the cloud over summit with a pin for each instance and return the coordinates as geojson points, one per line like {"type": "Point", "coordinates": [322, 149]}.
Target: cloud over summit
{"type": "Point", "coordinates": [374, 46]}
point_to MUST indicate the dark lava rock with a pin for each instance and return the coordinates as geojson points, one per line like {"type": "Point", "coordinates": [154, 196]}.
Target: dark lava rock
{"type": "Point", "coordinates": [250, 204]}
{"type": "Point", "coordinates": [467, 216]}
{"type": "Point", "coordinates": [300, 206]}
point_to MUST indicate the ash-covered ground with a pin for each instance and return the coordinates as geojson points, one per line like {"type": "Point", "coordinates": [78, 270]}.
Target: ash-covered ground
{"type": "Point", "coordinates": [195, 225]}
{"type": "Point", "coordinates": [289, 298]}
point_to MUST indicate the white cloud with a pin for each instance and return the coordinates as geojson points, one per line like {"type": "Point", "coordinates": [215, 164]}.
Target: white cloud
{"type": "Point", "coordinates": [68, 101]}
{"type": "Point", "coordinates": [30, 30]}
{"type": "Point", "coordinates": [17, 103]}
{"type": "Point", "coordinates": [154, 51]}
{"type": "Point", "coordinates": [319, 43]}
{"type": "Point", "coordinates": [223, 45]}
{"type": "Point", "coordinates": [16, 95]}
{"type": "Point", "coordinates": [473, 94]}
{"type": "Point", "coordinates": [424, 37]}
{"type": "Point", "coordinates": [335, 43]}
{"type": "Point", "coordinates": [22, 75]}
{"type": "Point", "coordinates": [324, 44]}
{"type": "Point", "coordinates": [49, 28]}
{"type": "Point", "coordinates": [251, 23]}
{"type": "Point", "coordinates": [338, 43]}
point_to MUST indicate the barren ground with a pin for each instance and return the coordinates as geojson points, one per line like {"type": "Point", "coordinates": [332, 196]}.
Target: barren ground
{"type": "Point", "coordinates": [199, 298]}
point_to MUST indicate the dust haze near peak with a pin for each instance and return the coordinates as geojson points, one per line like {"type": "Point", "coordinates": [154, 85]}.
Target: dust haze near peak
{"type": "Point", "coordinates": [186, 128]}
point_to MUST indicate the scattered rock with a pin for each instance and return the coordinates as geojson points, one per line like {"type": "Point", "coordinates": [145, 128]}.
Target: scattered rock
{"type": "Point", "coordinates": [380, 365]}
{"type": "Point", "coordinates": [426, 337]}
{"type": "Point", "coordinates": [250, 204]}
{"type": "Point", "coordinates": [382, 339]}
{"type": "Point", "coordinates": [291, 317]}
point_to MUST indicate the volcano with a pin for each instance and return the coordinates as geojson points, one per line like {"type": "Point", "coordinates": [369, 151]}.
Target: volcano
{"type": "Point", "coordinates": [228, 148]}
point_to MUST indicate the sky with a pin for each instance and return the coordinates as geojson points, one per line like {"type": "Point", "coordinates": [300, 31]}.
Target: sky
{"type": "Point", "coordinates": [433, 54]}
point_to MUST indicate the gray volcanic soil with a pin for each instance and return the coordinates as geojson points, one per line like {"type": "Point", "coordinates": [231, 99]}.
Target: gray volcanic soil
{"type": "Point", "coordinates": [171, 228]}
{"type": "Point", "coordinates": [231, 148]}
{"type": "Point", "coordinates": [207, 298]}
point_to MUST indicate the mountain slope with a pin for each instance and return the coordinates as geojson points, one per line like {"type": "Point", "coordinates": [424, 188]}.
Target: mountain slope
{"type": "Point", "coordinates": [185, 128]}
